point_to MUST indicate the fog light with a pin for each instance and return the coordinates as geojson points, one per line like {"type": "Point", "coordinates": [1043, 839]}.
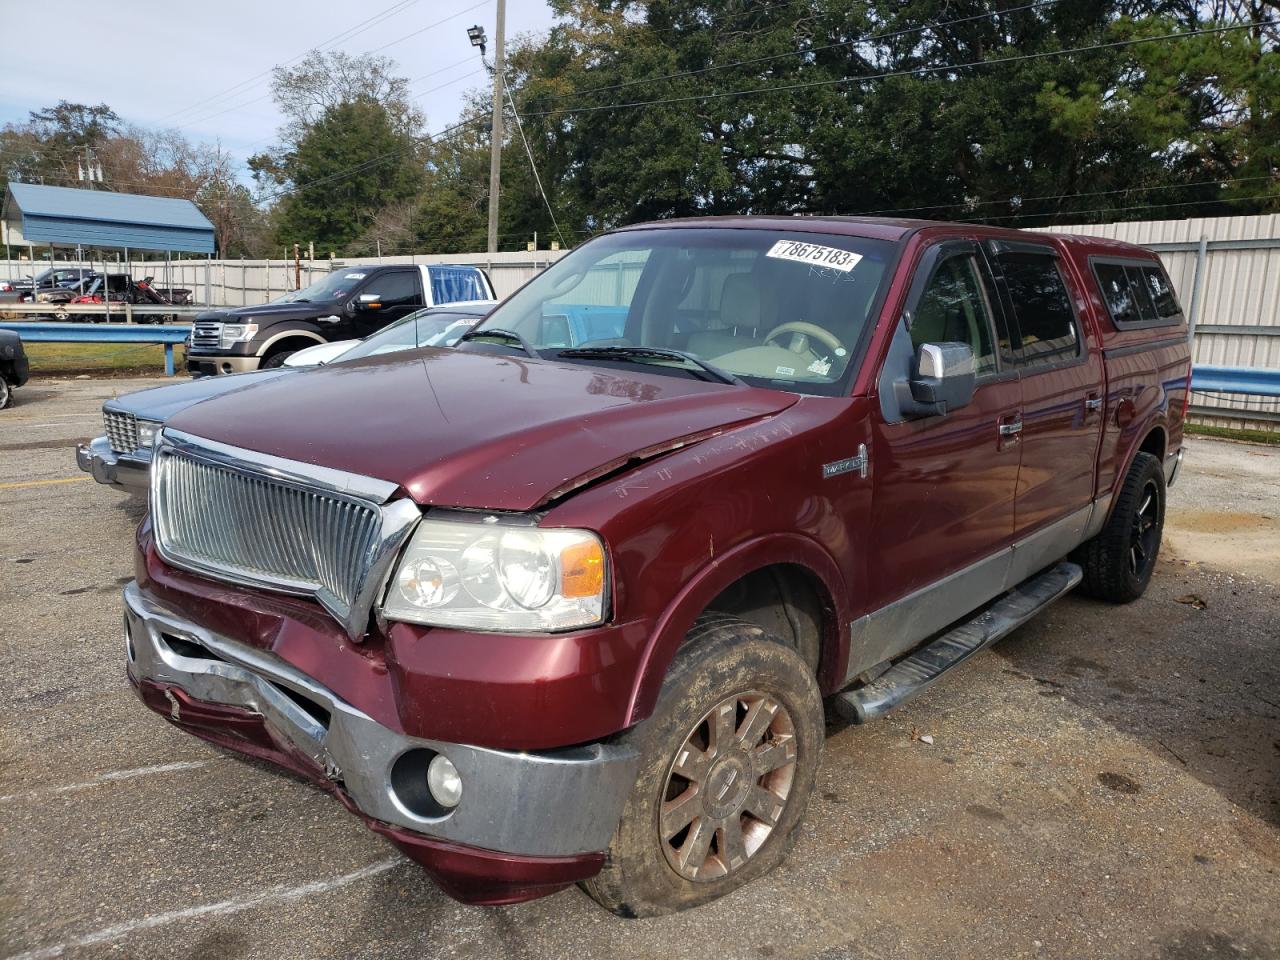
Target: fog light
{"type": "Point", "coordinates": [443, 781]}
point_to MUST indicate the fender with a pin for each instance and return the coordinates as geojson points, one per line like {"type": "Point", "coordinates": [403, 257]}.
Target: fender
{"type": "Point", "coordinates": [300, 332]}
{"type": "Point", "coordinates": [673, 625]}
{"type": "Point", "coordinates": [1156, 418]}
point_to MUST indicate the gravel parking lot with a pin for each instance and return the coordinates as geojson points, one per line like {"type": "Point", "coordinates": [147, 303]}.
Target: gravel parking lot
{"type": "Point", "coordinates": [1103, 783]}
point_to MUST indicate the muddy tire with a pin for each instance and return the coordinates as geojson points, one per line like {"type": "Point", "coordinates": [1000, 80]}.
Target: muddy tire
{"type": "Point", "coordinates": [728, 761]}
{"type": "Point", "coordinates": [1119, 561]}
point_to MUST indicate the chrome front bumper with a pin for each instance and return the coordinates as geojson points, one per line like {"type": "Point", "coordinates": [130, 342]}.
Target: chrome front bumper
{"type": "Point", "coordinates": [212, 365]}
{"type": "Point", "coordinates": [114, 469]}
{"type": "Point", "coordinates": [552, 803]}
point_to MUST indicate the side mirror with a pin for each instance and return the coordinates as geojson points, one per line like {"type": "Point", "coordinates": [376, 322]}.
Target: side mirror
{"type": "Point", "coordinates": [944, 378]}
{"type": "Point", "coordinates": [369, 301]}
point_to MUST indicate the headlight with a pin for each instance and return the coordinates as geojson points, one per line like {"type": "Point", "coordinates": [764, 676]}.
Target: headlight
{"type": "Point", "coordinates": [148, 432]}
{"type": "Point", "coordinates": [233, 333]}
{"type": "Point", "coordinates": [488, 576]}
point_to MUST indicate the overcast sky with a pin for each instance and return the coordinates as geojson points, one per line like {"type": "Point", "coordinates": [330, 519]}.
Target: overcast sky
{"type": "Point", "coordinates": [160, 63]}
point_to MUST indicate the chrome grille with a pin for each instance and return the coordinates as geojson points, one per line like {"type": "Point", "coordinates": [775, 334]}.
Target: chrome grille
{"type": "Point", "coordinates": [206, 334]}
{"type": "Point", "coordinates": [122, 430]}
{"type": "Point", "coordinates": [234, 524]}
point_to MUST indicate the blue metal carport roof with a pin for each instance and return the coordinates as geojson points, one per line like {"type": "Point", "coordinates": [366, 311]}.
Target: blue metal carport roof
{"type": "Point", "coordinates": [67, 217]}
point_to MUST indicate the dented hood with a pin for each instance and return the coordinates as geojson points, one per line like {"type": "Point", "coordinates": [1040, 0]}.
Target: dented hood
{"type": "Point", "coordinates": [475, 430]}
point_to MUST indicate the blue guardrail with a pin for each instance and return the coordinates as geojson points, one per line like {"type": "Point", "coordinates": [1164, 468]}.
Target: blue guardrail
{"type": "Point", "coordinates": [1249, 381]}
{"type": "Point", "coordinates": [45, 332]}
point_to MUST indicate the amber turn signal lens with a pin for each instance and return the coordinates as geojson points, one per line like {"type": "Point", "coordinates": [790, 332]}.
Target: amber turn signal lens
{"type": "Point", "coordinates": [582, 570]}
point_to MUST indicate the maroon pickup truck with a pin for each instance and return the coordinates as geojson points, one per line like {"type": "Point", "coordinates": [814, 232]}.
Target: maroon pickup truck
{"type": "Point", "coordinates": [563, 604]}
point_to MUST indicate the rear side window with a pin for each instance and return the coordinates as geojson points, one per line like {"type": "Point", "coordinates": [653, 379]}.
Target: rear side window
{"type": "Point", "coordinates": [1042, 306]}
{"type": "Point", "coordinates": [1137, 294]}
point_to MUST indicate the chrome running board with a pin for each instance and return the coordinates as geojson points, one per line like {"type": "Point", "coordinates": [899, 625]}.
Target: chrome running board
{"type": "Point", "coordinates": [920, 669]}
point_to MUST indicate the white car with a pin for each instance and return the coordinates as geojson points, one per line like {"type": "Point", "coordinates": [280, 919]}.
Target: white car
{"type": "Point", "coordinates": [429, 327]}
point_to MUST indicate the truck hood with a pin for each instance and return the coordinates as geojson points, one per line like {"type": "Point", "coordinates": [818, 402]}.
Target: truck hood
{"type": "Point", "coordinates": [475, 430]}
{"type": "Point", "coordinates": [273, 312]}
{"type": "Point", "coordinates": [161, 403]}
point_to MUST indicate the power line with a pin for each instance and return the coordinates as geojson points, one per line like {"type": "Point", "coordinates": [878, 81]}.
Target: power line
{"type": "Point", "coordinates": [430, 26]}
{"type": "Point", "coordinates": [534, 166]}
{"type": "Point", "coordinates": [449, 83]}
{"type": "Point", "coordinates": [914, 71]}
{"type": "Point", "coordinates": [1142, 206]}
{"type": "Point", "coordinates": [1059, 196]}
{"type": "Point", "coordinates": [372, 161]}
{"type": "Point", "coordinates": [794, 86]}
{"type": "Point", "coordinates": [352, 31]}
{"type": "Point", "coordinates": [801, 51]}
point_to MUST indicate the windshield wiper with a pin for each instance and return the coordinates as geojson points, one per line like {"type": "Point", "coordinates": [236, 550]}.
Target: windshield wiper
{"type": "Point", "coordinates": [510, 336]}
{"type": "Point", "coordinates": [653, 353]}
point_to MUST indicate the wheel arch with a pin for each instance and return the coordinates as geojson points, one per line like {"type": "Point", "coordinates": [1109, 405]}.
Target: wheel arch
{"type": "Point", "coordinates": [804, 568]}
{"type": "Point", "coordinates": [308, 337]}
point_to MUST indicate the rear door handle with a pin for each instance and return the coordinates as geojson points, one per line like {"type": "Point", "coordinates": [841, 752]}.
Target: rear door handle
{"type": "Point", "coordinates": [1011, 428]}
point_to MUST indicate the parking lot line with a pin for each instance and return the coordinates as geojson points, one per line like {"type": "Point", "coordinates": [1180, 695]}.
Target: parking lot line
{"type": "Point", "coordinates": [113, 777]}
{"type": "Point", "coordinates": [269, 897]}
{"type": "Point", "coordinates": [20, 484]}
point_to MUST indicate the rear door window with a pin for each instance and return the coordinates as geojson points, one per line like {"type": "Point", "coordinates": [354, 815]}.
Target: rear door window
{"type": "Point", "coordinates": [1042, 309]}
{"type": "Point", "coordinates": [1137, 294]}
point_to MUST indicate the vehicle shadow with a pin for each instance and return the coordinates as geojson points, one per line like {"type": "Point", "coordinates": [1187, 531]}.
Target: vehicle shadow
{"type": "Point", "coordinates": [1192, 671]}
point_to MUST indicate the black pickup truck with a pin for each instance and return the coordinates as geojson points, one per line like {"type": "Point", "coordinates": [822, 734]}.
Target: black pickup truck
{"type": "Point", "coordinates": [13, 366]}
{"type": "Point", "coordinates": [348, 304]}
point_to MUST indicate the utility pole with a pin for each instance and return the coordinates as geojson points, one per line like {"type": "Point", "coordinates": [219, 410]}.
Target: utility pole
{"type": "Point", "coordinates": [297, 267]}
{"type": "Point", "coordinates": [495, 146]}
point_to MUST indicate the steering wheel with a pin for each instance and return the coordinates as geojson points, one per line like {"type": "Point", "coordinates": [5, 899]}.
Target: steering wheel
{"type": "Point", "coordinates": [803, 332]}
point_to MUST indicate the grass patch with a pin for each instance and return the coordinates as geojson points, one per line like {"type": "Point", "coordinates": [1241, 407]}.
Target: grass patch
{"type": "Point", "coordinates": [1227, 433]}
{"type": "Point", "coordinates": [99, 359]}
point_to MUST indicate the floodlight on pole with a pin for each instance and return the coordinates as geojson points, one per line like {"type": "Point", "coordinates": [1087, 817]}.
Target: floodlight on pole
{"type": "Point", "coordinates": [476, 35]}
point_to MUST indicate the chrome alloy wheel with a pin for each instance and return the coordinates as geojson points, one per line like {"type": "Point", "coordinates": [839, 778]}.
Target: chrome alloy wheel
{"type": "Point", "coordinates": [1144, 535]}
{"type": "Point", "coordinates": [727, 786]}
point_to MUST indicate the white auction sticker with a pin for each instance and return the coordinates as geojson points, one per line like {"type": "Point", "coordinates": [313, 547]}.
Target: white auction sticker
{"type": "Point", "coordinates": [354, 276]}
{"type": "Point", "coordinates": [815, 255]}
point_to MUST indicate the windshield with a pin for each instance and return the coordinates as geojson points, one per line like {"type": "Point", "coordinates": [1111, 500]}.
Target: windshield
{"type": "Point", "coordinates": [336, 286]}
{"type": "Point", "coordinates": [425, 328]}
{"type": "Point", "coordinates": [777, 308]}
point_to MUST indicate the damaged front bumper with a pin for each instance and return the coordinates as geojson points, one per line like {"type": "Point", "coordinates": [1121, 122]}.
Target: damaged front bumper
{"type": "Point", "coordinates": [114, 469]}
{"type": "Point", "coordinates": [527, 824]}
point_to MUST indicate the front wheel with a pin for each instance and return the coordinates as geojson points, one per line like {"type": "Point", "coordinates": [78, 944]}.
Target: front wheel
{"type": "Point", "coordinates": [728, 761]}
{"type": "Point", "coordinates": [6, 393]}
{"type": "Point", "coordinates": [1119, 561]}
{"type": "Point", "coordinates": [276, 359]}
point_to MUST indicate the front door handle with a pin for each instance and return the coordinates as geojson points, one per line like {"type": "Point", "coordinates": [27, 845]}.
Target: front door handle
{"type": "Point", "coordinates": [1010, 431]}
{"type": "Point", "coordinates": [1092, 404]}
{"type": "Point", "coordinates": [1011, 428]}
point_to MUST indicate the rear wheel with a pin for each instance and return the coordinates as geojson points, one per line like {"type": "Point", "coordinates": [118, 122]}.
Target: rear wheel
{"type": "Point", "coordinates": [1119, 561]}
{"type": "Point", "coordinates": [728, 761]}
{"type": "Point", "coordinates": [6, 393]}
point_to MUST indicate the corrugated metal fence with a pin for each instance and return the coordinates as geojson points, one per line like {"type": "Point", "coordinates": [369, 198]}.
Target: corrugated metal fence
{"type": "Point", "coordinates": [1227, 274]}
{"type": "Point", "coordinates": [244, 282]}
{"type": "Point", "coordinates": [1226, 271]}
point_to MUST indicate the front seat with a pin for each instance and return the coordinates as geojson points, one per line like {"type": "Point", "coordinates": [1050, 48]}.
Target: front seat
{"type": "Point", "coordinates": [745, 305]}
